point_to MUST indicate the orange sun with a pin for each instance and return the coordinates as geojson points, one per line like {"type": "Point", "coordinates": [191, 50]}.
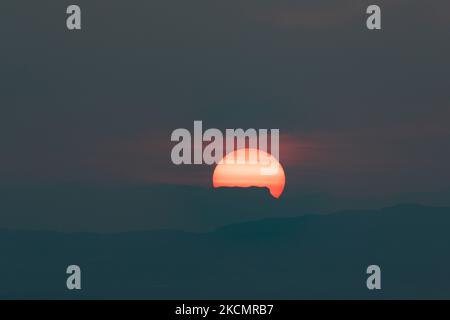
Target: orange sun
{"type": "Point", "coordinates": [250, 168]}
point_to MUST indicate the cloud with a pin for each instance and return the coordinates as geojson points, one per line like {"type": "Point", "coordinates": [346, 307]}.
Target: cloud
{"type": "Point", "coordinates": [100, 105]}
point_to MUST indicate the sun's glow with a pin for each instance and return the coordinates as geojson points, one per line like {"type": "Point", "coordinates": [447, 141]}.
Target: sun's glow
{"type": "Point", "coordinates": [237, 170]}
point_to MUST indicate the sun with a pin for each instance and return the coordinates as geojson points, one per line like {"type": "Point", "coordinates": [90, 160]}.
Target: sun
{"type": "Point", "coordinates": [250, 168]}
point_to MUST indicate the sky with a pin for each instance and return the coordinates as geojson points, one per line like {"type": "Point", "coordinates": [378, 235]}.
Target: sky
{"type": "Point", "coordinates": [360, 112]}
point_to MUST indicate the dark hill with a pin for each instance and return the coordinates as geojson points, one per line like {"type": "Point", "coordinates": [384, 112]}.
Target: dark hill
{"type": "Point", "coordinates": [305, 257]}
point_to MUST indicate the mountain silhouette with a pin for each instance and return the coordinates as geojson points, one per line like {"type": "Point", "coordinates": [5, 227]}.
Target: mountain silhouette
{"type": "Point", "coordinates": [137, 208]}
{"type": "Point", "coordinates": [310, 256]}
{"type": "Point", "coordinates": [73, 208]}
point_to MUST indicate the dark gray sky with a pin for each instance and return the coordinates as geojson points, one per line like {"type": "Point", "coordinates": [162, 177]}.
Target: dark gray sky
{"type": "Point", "coordinates": [359, 111]}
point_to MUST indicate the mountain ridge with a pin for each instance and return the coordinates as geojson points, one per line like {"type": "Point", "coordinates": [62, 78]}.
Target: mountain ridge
{"type": "Point", "coordinates": [314, 256]}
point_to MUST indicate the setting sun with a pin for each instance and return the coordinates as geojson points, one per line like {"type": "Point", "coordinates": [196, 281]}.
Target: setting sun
{"type": "Point", "coordinates": [237, 170]}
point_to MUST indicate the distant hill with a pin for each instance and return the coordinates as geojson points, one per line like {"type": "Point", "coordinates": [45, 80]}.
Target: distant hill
{"type": "Point", "coordinates": [311, 256]}
{"type": "Point", "coordinates": [153, 207]}
{"type": "Point", "coordinates": [73, 208]}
